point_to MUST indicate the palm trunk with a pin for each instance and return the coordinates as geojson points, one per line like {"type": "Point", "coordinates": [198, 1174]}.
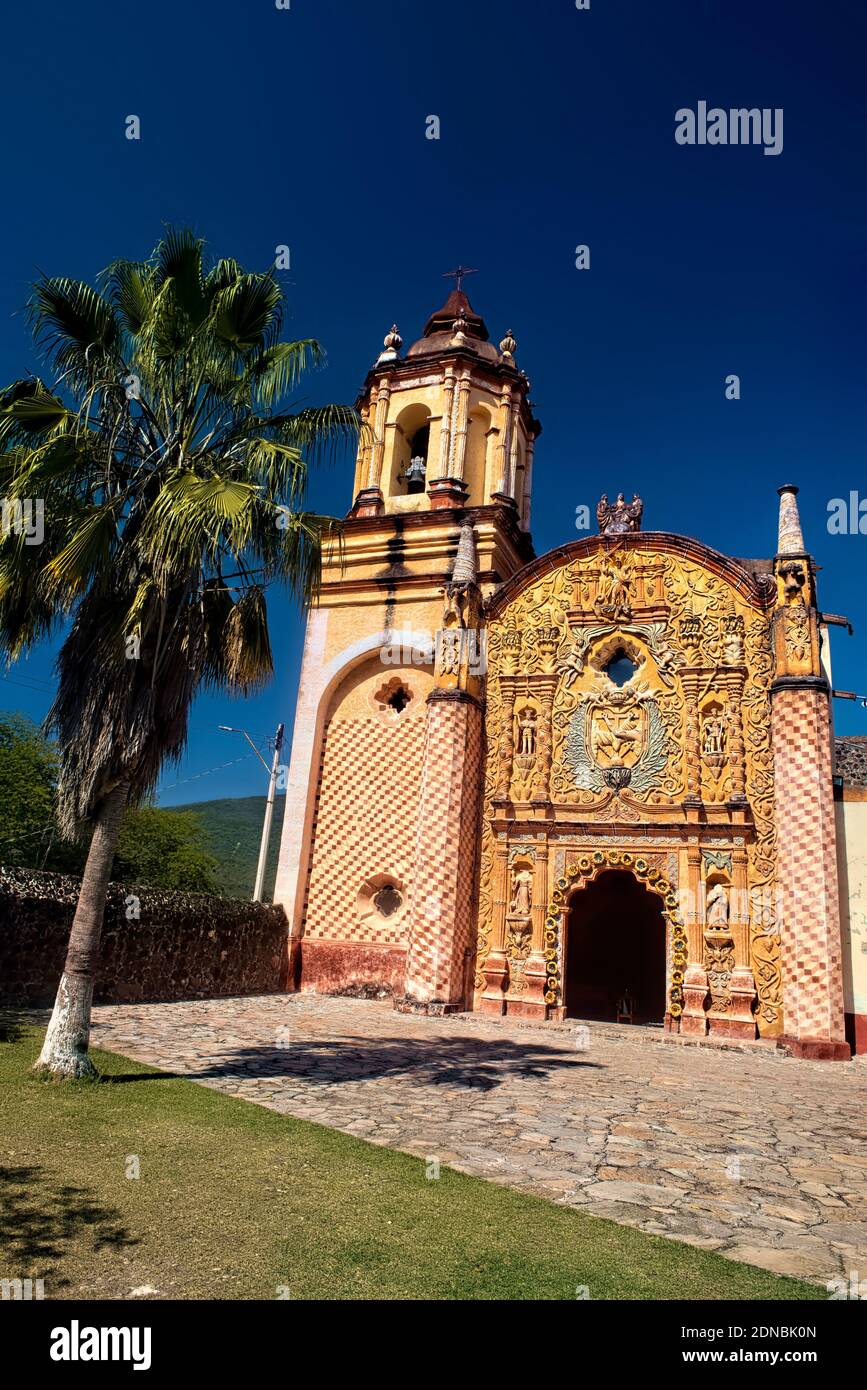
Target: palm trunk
{"type": "Point", "coordinates": [64, 1052]}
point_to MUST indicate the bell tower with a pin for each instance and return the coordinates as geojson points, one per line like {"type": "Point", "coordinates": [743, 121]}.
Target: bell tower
{"type": "Point", "coordinates": [449, 424]}
{"type": "Point", "coordinates": [378, 857]}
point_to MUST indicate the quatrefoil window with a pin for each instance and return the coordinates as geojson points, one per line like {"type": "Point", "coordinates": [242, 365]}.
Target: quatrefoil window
{"type": "Point", "coordinates": [620, 668]}
{"type": "Point", "coordinates": [393, 697]}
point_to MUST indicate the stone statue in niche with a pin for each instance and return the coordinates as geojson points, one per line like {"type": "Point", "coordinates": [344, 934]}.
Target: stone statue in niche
{"type": "Point", "coordinates": [713, 739]}
{"type": "Point", "coordinates": [527, 732]}
{"type": "Point", "coordinates": [614, 587]}
{"type": "Point", "coordinates": [717, 908]}
{"type": "Point", "coordinates": [522, 893]}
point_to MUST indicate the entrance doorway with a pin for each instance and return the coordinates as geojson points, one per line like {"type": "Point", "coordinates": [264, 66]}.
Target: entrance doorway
{"type": "Point", "coordinates": [615, 949]}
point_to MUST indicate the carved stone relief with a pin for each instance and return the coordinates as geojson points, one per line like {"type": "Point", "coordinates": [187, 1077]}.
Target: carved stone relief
{"type": "Point", "coordinates": [616, 752]}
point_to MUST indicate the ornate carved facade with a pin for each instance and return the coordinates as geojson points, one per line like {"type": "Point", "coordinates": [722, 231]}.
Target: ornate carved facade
{"type": "Point", "coordinates": [648, 662]}
{"type": "Point", "coordinates": [632, 709]}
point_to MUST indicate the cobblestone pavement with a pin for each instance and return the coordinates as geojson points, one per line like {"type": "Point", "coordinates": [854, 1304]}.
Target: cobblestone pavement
{"type": "Point", "coordinates": [758, 1156]}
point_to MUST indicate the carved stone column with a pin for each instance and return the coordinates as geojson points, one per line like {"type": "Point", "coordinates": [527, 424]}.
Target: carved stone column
{"type": "Point", "coordinates": [364, 443]}
{"type": "Point", "coordinates": [739, 911]}
{"type": "Point", "coordinates": [504, 443]}
{"type": "Point", "coordinates": [447, 489]}
{"type": "Point", "coordinates": [733, 680]}
{"type": "Point", "coordinates": [496, 969]}
{"type": "Point", "coordinates": [457, 468]}
{"type": "Point", "coordinates": [533, 1003]}
{"type": "Point", "coordinates": [540, 896]}
{"type": "Point", "coordinates": [511, 487]}
{"type": "Point", "coordinates": [545, 686]}
{"type": "Point", "coordinates": [506, 740]}
{"type": "Point", "coordinates": [369, 499]}
{"type": "Point", "coordinates": [542, 768]}
{"type": "Point", "coordinates": [528, 485]}
{"type": "Point", "coordinates": [742, 986]}
{"type": "Point", "coordinates": [378, 450]}
{"type": "Point", "coordinates": [690, 677]}
{"type": "Point", "coordinates": [447, 422]}
{"type": "Point", "coordinates": [694, 1018]}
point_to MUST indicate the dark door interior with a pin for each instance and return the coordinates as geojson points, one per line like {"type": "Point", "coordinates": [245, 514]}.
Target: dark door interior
{"type": "Point", "coordinates": [615, 946]}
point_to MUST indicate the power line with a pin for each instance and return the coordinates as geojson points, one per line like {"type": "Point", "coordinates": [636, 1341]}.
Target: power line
{"type": "Point", "coordinates": [44, 689]}
{"type": "Point", "coordinates": [26, 834]}
{"type": "Point", "coordinates": [197, 775]}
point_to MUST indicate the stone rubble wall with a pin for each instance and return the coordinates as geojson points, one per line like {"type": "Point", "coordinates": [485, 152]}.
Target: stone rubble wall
{"type": "Point", "coordinates": [181, 946]}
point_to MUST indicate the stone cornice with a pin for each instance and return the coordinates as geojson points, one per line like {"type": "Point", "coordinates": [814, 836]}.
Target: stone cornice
{"type": "Point", "coordinates": [448, 519]}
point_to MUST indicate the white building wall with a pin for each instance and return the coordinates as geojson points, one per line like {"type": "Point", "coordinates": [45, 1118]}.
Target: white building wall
{"type": "Point", "coordinates": [852, 869]}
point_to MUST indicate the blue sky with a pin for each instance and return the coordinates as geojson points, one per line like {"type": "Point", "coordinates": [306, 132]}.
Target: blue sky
{"type": "Point", "coordinates": [262, 127]}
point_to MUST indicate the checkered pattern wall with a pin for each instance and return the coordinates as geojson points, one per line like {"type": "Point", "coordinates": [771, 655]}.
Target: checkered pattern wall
{"type": "Point", "coordinates": [809, 915]}
{"type": "Point", "coordinates": [443, 921]}
{"type": "Point", "coordinates": [365, 826]}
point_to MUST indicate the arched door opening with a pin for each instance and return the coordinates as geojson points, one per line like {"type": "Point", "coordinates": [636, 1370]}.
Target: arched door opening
{"type": "Point", "coordinates": [615, 949]}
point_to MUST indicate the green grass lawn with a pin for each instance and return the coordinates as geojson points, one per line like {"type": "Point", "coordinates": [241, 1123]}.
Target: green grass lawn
{"type": "Point", "coordinates": [234, 1201]}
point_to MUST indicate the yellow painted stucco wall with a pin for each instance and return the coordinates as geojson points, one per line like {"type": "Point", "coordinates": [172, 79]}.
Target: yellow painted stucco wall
{"type": "Point", "coordinates": [852, 870]}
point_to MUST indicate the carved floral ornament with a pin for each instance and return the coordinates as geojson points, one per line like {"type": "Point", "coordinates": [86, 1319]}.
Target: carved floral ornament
{"type": "Point", "coordinates": [582, 871]}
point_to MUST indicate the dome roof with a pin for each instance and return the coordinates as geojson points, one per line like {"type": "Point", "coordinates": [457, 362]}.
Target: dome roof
{"type": "Point", "coordinates": [439, 331]}
{"type": "Point", "coordinates": [457, 306]}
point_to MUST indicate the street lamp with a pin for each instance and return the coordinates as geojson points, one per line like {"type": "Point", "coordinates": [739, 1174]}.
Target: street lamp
{"type": "Point", "coordinates": [269, 804]}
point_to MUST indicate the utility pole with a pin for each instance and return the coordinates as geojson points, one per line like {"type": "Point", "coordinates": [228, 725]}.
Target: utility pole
{"type": "Point", "coordinates": [269, 804]}
{"type": "Point", "coordinates": [269, 814]}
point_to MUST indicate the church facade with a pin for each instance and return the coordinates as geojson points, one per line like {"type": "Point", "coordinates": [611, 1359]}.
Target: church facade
{"type": "Point", "coordinates": [599, 783]}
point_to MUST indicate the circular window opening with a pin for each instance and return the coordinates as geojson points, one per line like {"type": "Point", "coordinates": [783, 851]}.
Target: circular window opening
{"type": "Point", "coordinates": [387, 900]}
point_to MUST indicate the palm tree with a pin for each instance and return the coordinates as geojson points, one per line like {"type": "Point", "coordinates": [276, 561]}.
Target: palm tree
{"type": "Point", "coordinates": [172, 466]}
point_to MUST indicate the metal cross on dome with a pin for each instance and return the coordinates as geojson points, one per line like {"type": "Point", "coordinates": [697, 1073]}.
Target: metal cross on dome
{"type": "Point", "coordinates": [458, 274]}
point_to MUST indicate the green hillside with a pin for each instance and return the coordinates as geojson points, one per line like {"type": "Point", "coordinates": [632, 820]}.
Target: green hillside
{"type": "Point", "coordinates": [234, 828]}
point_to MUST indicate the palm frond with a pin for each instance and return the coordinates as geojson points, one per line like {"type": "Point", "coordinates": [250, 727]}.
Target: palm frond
{"type": "Point", "coordinates": [88, 551]}
{"type": "Point", "coordinates": [73, 325]}
{"type": "Point", "coordinates": [321, 431]}
{"type": "Point", "coordinates": [131, 287]}
{"type": "Point", "coordinates": [246, 644]}
{"type": "Point", "coordinates": [39, 412]}
{"type": "Point", "coordinates": [278, 369]}
{"type": "Point", "coordinates": [244, 311]}
{"type": "Point", "coordinates": [224, 273]}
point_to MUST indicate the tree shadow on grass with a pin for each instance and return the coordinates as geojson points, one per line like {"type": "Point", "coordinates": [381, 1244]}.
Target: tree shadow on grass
{"type": "Point", "coordinates": [10, 1026]}
{"type": "Point", "coordinates": [117, 1079]}
{"type": "Point", "coordinates": [40, 1219]}
{"type": "Point", "coordinates": [474, 1064]}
